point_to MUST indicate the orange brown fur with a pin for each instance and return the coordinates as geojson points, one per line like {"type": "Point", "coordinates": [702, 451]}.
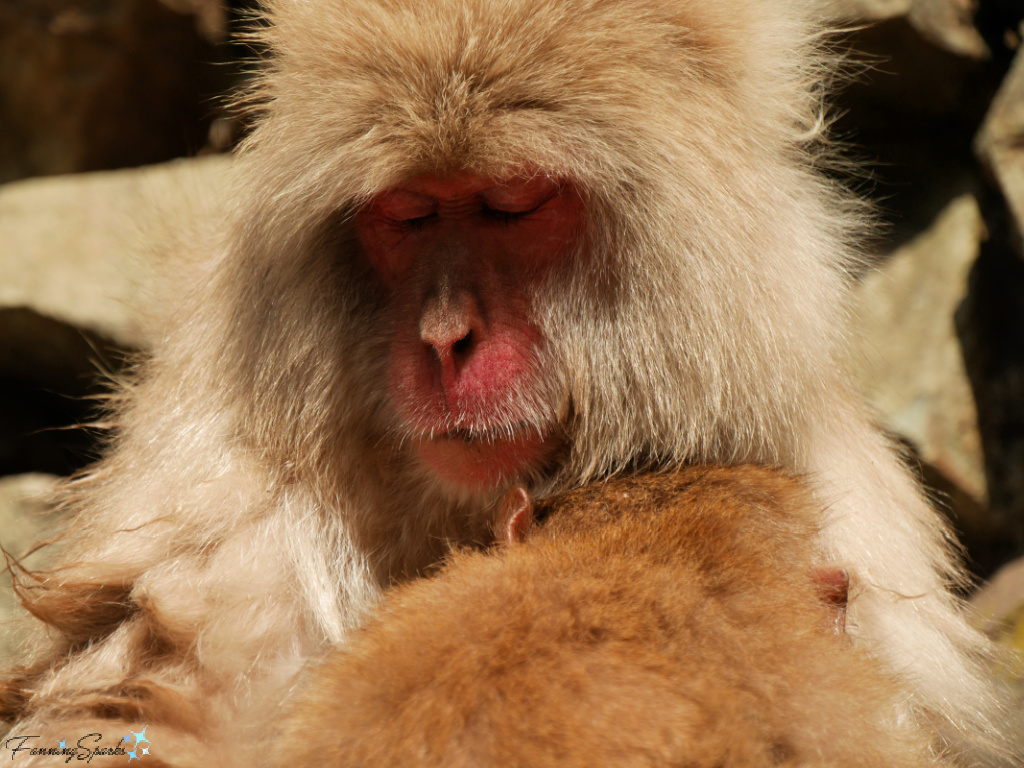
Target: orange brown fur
{"type": "Point", "coordinates": [660, 620]}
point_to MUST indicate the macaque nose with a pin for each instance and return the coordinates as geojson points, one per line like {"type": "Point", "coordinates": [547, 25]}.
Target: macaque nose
{"type": "Point", "coordinates": [451, 326]}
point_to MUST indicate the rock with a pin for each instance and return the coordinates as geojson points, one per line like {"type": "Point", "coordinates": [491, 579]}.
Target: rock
{"type": "Point", "coordinates": [911, 114]}
{"type": "Point", "coordinates": [993, 318]}
{"type": "Point", "coordinates": [1000, 144]}
{"type": "Point", "coordinates": [872, 10]}
{"type": "Point", "coordinates": [999, 611]}
{"type": "Point", "coordinates": [25, 519]}
{"type": "Point", "coordinates": [912, 368]}
{"type": "Point", "coordinates": [948, 24]}
{"type": "Point", "coordinates": [90, 86]}
{"type": "Point", "coordinates": [991, 325]}
{"type": "Point", "coordinates": [80, 254]}
{"type": "Point", "coordinates": [211, 16]}
{"type": "Point", "coordinates": [1001, 599]}
{"type": "Point", "coordinates": [76, 249]}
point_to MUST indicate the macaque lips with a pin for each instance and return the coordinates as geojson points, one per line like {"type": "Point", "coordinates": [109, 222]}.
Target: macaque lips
{"type": "Point", "coordinates": [480, 462]}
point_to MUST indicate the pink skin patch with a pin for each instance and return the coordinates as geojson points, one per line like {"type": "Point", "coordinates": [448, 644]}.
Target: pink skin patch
{"type": "Point", "coordinates": [460, 257]}
{"type": "Point", "coordinates": [834, 587]}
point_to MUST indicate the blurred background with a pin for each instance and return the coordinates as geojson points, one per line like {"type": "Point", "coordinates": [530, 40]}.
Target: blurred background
{"type": "Point", "coordinates": [115, 127]}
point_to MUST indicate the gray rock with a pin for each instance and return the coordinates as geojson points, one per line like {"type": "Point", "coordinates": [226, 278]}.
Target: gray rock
{"type": "Point", "coordinates": [83, 261]}
{"type": "Point", "coordinates": [25, 518]}
{"type": "Point", "coordinates": [946, 23]}
{"type": "Point", "coordinates": [89, 86]}
{"type": "Point", "coordinates": [1000, 602]}
{"type": "Point", "coordinates": [999, 611]}
{"type": "Point", "coordinates": [872, 10]}
{"type": "Point", "coordinates": [910, 363]}
{"type": "Point", "coordinates": [1000, 144]}
{"type": "Point", "coordinates": [81, 249]}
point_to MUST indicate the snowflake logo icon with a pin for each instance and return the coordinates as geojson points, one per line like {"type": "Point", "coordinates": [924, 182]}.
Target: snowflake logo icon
{"type": "Point", "coordinates": [134, 741]}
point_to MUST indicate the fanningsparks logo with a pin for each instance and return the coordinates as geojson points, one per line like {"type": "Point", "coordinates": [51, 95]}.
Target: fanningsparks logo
{"type": "Point", "coordinates": [86, 748]}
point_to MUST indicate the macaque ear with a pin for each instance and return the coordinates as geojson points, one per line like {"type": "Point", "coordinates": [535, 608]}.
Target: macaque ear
{"type": "Point", "coordinates": [834, 588]}
{"type": "Point", "coordinates": [515, 516]}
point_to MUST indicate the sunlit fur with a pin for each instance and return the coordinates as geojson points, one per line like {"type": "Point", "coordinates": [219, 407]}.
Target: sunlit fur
{"type": "Point", "coordinates": [259, 494]}
{"type": "Point", "coordinates": [661, 620]}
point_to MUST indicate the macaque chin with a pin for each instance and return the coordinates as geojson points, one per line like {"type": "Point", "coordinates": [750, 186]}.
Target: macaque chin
{"type": "Point", "coordinates": [677, 619]}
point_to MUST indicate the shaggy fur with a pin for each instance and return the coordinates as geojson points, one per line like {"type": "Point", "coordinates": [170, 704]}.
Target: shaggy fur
{"type": "Point", "coordinates": [259, 494]}
{"type": "Point", "coordinates": [667, 620]}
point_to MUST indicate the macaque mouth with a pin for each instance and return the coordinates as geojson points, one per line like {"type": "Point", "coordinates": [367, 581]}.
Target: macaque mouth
{"type": "Point", "coordinates": [491, 435]}
{"type": "Point", "coordinates": [480, 456]}
{"type": "Point", "coordinates": [469, 436]}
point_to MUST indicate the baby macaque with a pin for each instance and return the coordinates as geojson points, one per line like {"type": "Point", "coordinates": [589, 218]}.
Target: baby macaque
{"type": "Point", "coordinates": [674, 619]}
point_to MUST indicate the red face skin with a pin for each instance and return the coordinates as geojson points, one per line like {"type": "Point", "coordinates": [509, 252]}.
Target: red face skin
{"type": "Point", "coordinates": [460, 257]}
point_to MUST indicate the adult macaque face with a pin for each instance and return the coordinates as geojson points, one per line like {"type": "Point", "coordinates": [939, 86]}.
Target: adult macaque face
{"type": "Point", "coordinates": [460, 258]}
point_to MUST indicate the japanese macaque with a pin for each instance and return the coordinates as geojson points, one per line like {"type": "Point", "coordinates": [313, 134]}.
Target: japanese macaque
{"type": "Point", "coordinates": [480, 244]}
{"type": "Point", "coordinates": [680, 619]}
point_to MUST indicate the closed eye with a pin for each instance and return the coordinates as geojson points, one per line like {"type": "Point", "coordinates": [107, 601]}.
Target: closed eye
{"type": "Point", "coordinates": [402, 208]}
{"type": "Point", "coordinates": [416, 222]}
{"type": "Point", "coordinates": [498, 215]}
{"type": "Point", "coordinates": [503, 214]}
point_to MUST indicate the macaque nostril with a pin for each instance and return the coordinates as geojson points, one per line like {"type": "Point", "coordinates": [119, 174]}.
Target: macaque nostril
{"type": "Point", "coordinates": [461, 347]}
{"type": "Point", "coordinates": [448, 343]}
{"type": "Point", "coordinates": [451, 326]}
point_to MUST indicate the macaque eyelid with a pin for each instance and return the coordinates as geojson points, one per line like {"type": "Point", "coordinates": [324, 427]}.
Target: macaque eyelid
{"type": "Point", "coordinates": [500, 214]}
{"type": "Point", "coordinates": [403, 206]}
{"type": "Point", "coordinates": [520, 194]}
{"type": "Point", "coordinates": [515, 208]}
{"type": "Point", "coordinates": [412, 222]}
